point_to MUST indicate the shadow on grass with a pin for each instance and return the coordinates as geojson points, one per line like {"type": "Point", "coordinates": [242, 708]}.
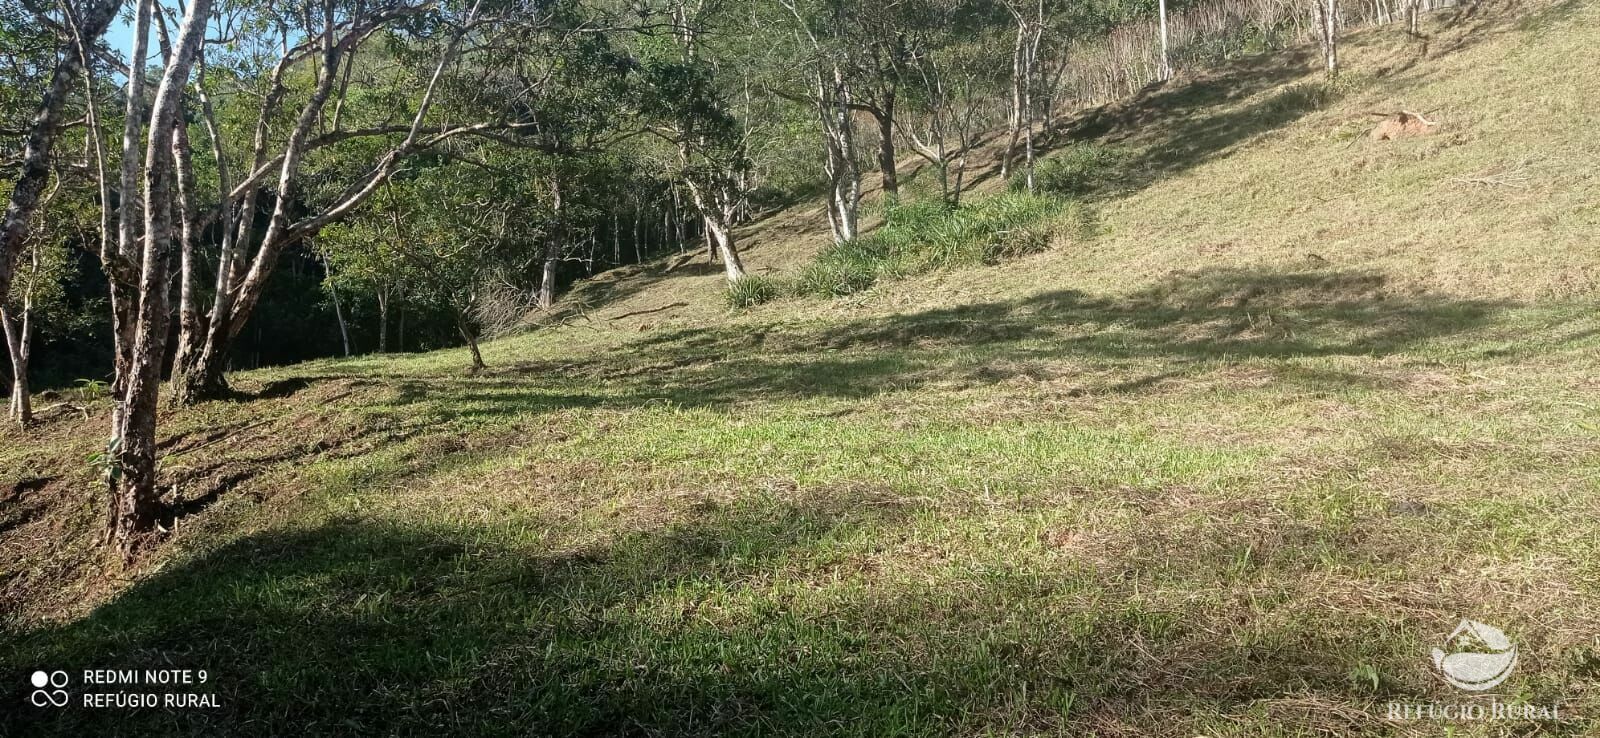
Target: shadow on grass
{"type": "Point", "coordinates": [752, 618]}
{"type": "Point", "coordinates": [1189, 324]}
{"type": "Point", "coordinates": [1173, 127]}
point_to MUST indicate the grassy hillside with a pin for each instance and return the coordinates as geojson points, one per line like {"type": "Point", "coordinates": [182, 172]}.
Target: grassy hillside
{"type": "Point", "coordinates": [1228, 462]}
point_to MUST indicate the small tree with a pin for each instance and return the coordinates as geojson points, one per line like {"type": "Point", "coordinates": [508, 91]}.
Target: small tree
{"type": "Point", "coordinates": [36, 295]}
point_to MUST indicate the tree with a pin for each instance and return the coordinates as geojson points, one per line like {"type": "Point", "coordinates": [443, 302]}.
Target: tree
{"type": "Point", "coordinates": [1328, 34]}
{"type": "Point", "coordinates": [332, 37]}
{"type": "Point", "coordinates": [947, 73]}
{"type": "Point", "coordinates": [681, 105]}
{"type": "Point", "coordinates": [36, 293]}
{"type": "Point", "coordinates": [832, 98]}
{"type": "Point", "coordinates": [131, 475]}
{"type": "Point", "coordinates": [1165, 72]}
{"type": "Point", "coordinates": [79, 28]}
{"type": "Point", "coordinates": [1030, 19]}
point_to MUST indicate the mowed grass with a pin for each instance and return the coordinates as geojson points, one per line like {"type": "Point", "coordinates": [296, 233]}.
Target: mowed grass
{"type": "Point", "coordinates": [1243, 497]}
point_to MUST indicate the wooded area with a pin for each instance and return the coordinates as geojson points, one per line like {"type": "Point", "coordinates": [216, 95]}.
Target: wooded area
{"type": "Point", "coordinates": [474, 157]}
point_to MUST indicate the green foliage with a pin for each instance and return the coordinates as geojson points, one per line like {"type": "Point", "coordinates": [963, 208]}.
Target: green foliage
{"type": "Point", "coordinates": [925, 235]}
{"type": "Point", "coordinates": [1077, 171]}
{"type": "Point", "coordinates": [749, 292]}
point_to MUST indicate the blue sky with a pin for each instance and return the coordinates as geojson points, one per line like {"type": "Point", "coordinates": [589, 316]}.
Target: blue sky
{"type": "Point", "coordinates": [120, 35]}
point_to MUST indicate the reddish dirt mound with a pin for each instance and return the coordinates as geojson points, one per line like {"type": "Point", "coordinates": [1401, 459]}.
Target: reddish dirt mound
{"type": "Point", "coordinates": [1402, 125]}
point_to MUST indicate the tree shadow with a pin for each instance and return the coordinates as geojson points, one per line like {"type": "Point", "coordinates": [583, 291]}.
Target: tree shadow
{"type": "Point", "coordinates": [1172, 127]}
{"type": "Point", "coordinates": [757, 617]}
{"type": "Point", "coordinates": [1191, 322]}
{"type": "Point", "coordinates": [1187, 326]}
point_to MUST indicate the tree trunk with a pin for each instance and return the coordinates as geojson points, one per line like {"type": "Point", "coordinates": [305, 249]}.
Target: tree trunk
{"type": "Point", "coordinates": [19, 340]}
{"type": "Point", "coordinates": [1029, 113]}
{"type": "Point", "coordinates": [552, 250]}
{"type": "Point", "coordinates": [888, 166]}
{"type": "Point", "coordinates": [189, 333]}
{"type": "Point", "coordinates": [723, 235]}
{"type": "Point", "coordinates": [1014, 127]}
{"type": "Point", "coordinates": [1328, 10]}
{"type": "Point", "coordinates": [383, 320]}
{"type": "Point", "coordinates": [638, 251]}
{"type": "Point", "coordinates": [1166, 58]}
{"type": "Point", "coordinates": [471, 337]}
{"type": "Point", "coordinates": [134, 438]}
{"type": "Point", "coordinates": [338, 314]}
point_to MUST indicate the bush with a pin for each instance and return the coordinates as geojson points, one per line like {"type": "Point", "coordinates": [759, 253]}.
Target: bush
{"type": "Point", "coordinates": [843, 269]}
{"type": "Point", "coordinates": [925, 235]}
{"type": "Point", "coordinates": [750, 292]}
{"type": "Point", "coordinates": [1079, 170]}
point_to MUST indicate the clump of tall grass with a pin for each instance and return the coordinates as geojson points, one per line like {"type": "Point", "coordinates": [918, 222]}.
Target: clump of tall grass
{"type": "Point", "coordinates": [1078, 170]}
{"type": "Point", "coordinates": [925, 235]}
{"type": "Point", "coordinates": [749, 292]}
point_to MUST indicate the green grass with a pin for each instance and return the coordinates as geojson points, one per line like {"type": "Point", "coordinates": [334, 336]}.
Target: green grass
{"type": "Point", "coordinates": [1179, 479]}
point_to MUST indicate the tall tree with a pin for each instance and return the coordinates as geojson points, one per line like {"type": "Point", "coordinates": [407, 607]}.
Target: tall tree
{"type": "Point", "coordinates": [333, 35]}
{"type": "Point", "coordinates": [135, 508]}
{"type": "Point", "coordinates": [80, 27]}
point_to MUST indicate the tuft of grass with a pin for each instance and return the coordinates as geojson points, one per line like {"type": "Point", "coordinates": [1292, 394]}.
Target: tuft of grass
{"type": "Point", "coordinates": [926, 235]}
{"type": "Point", "coordinates": [749, 292]}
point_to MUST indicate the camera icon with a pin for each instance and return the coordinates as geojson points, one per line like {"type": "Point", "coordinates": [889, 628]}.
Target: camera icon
{"type": "Point", "coordinates": [48, 690]}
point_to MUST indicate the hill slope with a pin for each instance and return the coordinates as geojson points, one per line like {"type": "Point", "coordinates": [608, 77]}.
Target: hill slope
{"type": "Point", "coordinates": [1229, 465]}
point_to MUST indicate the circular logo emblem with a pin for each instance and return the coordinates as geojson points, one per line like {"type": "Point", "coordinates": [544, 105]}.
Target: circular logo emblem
{"type": "Point", "coordinates": [1475, 657]}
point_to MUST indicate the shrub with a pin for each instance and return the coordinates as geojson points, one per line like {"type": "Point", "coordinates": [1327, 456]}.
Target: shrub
{"type": "Point", "coordinates": [925, 235]}
{"type": "Point", "coordinates": [844, 268]}
{"type": "Point", "coordinates": [749, 292]}
{"type": "Point", "coordinates": [1079, 170]}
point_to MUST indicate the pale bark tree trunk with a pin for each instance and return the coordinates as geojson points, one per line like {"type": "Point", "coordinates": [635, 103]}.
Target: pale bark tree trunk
{"type": "Point", "coordinates": [718, 206]}
{"type": "Point", "coordinates": [192, 330]}
{"type": "Point", "coordinates": [188, 310]}
{"type": "Point", "coordinates": [124, 284]}
{"type": "Point", "coordinates": [1166, 54]}
{"type": "Point", "coordinates": [19, 342]}
{"type": "Point", "coordinates": [1030, 83]}
{"type": "Point", "coordinates": [34, 172]}
{"type": "Point", "coordinates": [133, 482]}
{"type": "Point", "coordinates": [1328, 13]}
{"type": "Point", "coordinates": [638, 250]}
{"type": "Point", "coordinates": [1014, 127]}
{"type": "Point", "coordinates": [722, 233]}
{"type": "Point", "coordinates": [338, 311]}
{"type": "Point", "coordinates": [831, 98]}
{"type": "Point", "coordinates": [552, 248]}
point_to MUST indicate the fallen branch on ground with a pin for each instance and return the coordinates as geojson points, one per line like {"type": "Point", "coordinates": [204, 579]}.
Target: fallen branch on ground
{"type": "Point", "coordinates": [651, 310]}
{"type": "Point", "coordinates": [66, 405]}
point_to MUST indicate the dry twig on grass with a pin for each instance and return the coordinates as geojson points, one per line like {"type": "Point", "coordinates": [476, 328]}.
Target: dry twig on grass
{"type": "Point", "coordinates": [632, 313]}
{"type": "Point", "coordinates": [1516, 179]}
